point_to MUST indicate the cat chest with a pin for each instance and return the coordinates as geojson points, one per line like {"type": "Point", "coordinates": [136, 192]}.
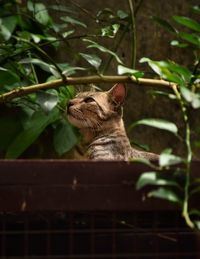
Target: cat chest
{"type": "Point", "coordinates": [107, 150]}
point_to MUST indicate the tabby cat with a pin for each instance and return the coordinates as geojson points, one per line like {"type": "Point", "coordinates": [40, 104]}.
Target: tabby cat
{"type": "Point", "coordinates": [98, 115]}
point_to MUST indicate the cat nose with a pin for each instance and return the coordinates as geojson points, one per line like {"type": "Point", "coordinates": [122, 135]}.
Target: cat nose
{"type": "Point", "coordinates": [70, 103]}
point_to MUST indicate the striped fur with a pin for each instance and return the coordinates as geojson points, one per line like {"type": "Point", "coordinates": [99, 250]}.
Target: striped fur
{"type": "Point", "coordinates": [98, 115]}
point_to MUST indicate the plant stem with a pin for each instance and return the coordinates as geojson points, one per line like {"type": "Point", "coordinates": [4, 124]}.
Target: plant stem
{"type": "Point", "coordinates": [22, 91]}
{"type": "Point", "coordinates": [133, 43]}
{"type": "Point", "coordinates": [185, 212]}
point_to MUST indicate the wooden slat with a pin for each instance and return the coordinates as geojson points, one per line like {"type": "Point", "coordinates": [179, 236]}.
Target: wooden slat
{"type": "Point", "coordinates": [43, 185]}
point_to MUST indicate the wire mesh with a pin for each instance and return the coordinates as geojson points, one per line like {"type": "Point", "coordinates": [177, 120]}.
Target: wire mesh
{"type": "Point", "coordinates": [109, 235]}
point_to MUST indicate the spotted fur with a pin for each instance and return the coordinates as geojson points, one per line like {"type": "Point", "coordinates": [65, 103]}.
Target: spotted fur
{"type": "Point", "coordinates": [98, 115]}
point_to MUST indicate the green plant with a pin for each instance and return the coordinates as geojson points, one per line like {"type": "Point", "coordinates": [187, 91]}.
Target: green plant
{"type": "Point", "coordinates": [177, 185]}
{"type": "Point", "coordinates": [28, 37]}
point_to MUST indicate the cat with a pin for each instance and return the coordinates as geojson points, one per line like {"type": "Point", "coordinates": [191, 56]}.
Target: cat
{"type": "Point", "coordinates": [98, 115]}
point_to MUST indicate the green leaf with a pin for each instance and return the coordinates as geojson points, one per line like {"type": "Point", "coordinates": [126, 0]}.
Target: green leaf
{"type": "Point", "coordinates": [110, 31]}
{"type": "Point", "coordinates": [183, 72]}
{"type": "Point", "coordinates": [104, 13]}
{"type": "Point", "coordinates": [178, 44]}
{"type": "Point", "coordinates": [121, 14]}
{"type": "Point", "coordinates": [72, 70]}
{"type": "Point", "coordinates": [169, 70]}
{"type": "Point", "coordinates": [197, 223]}
{"type": "Point", "coordinates": [93, 59]}
{"type": "Point", "coordinates": [190, 97]}
{"type": "Point", "coordinates": [164, 24]}
{"type": "Point", "coordinates": [161, 93]}
{"type": "Point", "coordinates": [10, 127]}
{"type": "Point", "coordinates": [143, 161]}
{"type": "Point", "coordinates": [7, 26]}
{"type": "Point", "coordinates": [195, 212]}
{"type": "Point", "coordinates": [125, 70]}
{"type": "Point", "coordinates": [196, 9]}
{"type": "Point", "coordinates": [103, 49]}
{"type": "Point", "coordinates": [67, 33]}
{"type": "Point", "coordinates": [151, 178]}
{"type": "Point", "coordinates": [157, 123]}
{"type": "Point", "coordinates": [43, 65]}
{"type": "Point", "coordinates": [166, 194]}
{"type": "Point", "coordinates": [188, 22]}
{"type": "Point", "coordinates": [64, 138]}
{"type": "Point", "coordinates": [47, 100]}
{"type": "Point", "coordinates": [30, 5]}
{"type": "Point", "coordinates": [8, 77]}
{"type": "Point", "coordinates": [61, 8]}
{"type": "Point", "coordinates": [73, 21]}
{"type": "Point", "coordinates": [168, 159]}
{"type": "Point", "coordinates": [195, 190]}
{"type": "Point", "coordinates": [192, 38]}
{"type": "Point", "coordinates": [41, 13]}
{"type": "Point", "coordinates": [35, 127]}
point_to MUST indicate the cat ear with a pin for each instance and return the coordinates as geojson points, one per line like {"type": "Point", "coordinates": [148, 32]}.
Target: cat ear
{"type": "Point", "coordinates": [118, 93]}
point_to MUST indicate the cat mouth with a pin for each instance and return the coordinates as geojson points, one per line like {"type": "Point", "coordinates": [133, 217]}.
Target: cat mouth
{"type": "Point", "coordinates": [72, 116]}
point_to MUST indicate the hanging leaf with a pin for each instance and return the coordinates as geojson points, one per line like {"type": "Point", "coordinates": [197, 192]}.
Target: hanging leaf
{"type": "Point", "coordinates": [64, 138]}
{"type": "Point", "coordinates": [164, 24]}
{"type": "Point", "coordinates": [10, 128]}
{"type": "Point", "coordinates": [103, 49]}
{"type": "Point", "coordinates": [165, 194]}
{"type": "Point", "coordinates": [152, 178]}
{"type": "Point", "coordinates": [70, 70]}
{"type": "Point", "coordinates": [92, 59]}
{"type": "Point", "coordinates": [122, 15]}
{"type": "Point", "coordinates": [161, 93]}
{"type": "Point", "coordinates": [195, 190]}
{"type": "Point", "coordinates": [195, 212]}
{"type": "Point", "coordinates": [8, 77]}
{"type": "Point", "coordinates": [35, 127]}
{"type": "Point", "coordinates": [67, 33]}
{"type": "Point", "coordinates": [168, 159]}
{"type": "Point", "coordinates": [47, 100]}
{"type": "Point", "coordinates": [178, 44]}
{"type": "Point", "coordinates": [125, 70]}
{"type": "Point", "coordinates": [7, 26]}
{"type": "Point", "coordinates": [110, 31]}
{"type": "Point", "coordinates": [192, 38]}
{"type": "Point", "coordinates": [143, 161]}
{"type": "Point", "coordinates": [170, 71]}
{"type": "Point", "coordinates": [43, 65]}
{"type": "Point", "coordinates": [190, 97]}
{"type": "Point", "coordinates": [157, 123]}
{"type": "Point", "coordinates": [197, 223]}
{"type": "Point", "coordinates": [188, 22]}
{"type": "Point", "coordinates": [61, 8]}
{"type": "Point", "coordinates": [41, 13]}
{"type": "Point", "coordinates": [196, 9]}
{"type": "Point", "coordinates": [73, 21]}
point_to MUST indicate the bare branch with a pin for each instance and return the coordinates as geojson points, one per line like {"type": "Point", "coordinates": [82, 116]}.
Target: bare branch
{"type": "Point", "coordinates": [22, 91]}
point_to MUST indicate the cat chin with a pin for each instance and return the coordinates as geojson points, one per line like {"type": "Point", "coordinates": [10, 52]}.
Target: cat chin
{"type": "Point", "coordinates": [75, 122]}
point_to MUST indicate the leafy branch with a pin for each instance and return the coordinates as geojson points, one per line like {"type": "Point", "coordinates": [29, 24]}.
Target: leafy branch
{"type": "Point", "coordinates": [187, 94]}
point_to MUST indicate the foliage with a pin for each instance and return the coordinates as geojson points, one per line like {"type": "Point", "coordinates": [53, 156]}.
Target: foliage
{"type": "Point", "coordinates": [29, 38]}
{"type": "Point", "coordinates": [177, 185]}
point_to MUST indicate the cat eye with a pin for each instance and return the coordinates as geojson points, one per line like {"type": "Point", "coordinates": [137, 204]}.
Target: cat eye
{"type": "Point", "coordinates": [88, 100]}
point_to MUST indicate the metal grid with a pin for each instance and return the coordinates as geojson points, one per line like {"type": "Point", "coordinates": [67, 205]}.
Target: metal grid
{"type": "Point", "coordinates": [108, 235]}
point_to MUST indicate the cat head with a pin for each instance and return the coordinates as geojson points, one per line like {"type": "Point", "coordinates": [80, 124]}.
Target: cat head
{"type": "Point", "coordinates": [96, 109]}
